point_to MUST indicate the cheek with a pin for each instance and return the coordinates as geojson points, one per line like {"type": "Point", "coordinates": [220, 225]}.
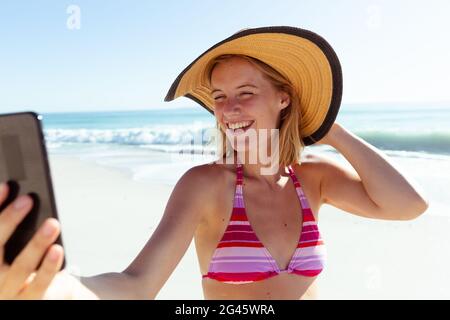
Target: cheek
{"type": "Point", "coordinates": [253, 106]}
{"type": "Point", "coordinates": [218, 114]}
{"type": "Point", "coordinates": [262, 110]}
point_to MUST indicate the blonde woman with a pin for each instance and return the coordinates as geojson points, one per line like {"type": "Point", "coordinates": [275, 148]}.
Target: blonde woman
{"type": "Point", "coordinates": [256, 231]}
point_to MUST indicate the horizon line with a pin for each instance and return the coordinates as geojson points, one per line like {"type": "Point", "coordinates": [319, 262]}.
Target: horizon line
{"type": "Point", "coordinates": [194, 107]}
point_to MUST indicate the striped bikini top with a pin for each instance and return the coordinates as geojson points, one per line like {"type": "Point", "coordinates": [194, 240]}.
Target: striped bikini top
{"type": "Point", "coordinates": [240, 257]}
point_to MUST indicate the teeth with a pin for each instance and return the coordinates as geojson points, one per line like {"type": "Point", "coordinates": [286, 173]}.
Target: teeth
{"type": "Point", "coordinates": [239, 125]}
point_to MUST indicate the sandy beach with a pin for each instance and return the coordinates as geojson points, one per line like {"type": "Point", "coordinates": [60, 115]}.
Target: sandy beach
{"type": "Point", "coordinates": [107, 217]}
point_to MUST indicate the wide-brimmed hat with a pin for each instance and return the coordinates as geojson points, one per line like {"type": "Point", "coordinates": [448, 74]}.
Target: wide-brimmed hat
{"type": "Point", "coordinates": [303, 57]}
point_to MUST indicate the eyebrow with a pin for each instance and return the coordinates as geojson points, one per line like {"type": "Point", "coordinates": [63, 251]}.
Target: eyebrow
{"type": "Point", "coordinates": [239, 87]}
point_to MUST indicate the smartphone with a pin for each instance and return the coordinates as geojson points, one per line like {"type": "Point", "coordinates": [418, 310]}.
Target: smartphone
{"type": "Point", "coordinates": [24, 166]}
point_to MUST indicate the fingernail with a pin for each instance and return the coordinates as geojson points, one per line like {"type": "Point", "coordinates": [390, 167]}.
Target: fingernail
{"type": "Point", "coordinates": [53, 255]}
{"type": "Point", "coordinates": [48, 230]}
{"type": "Point", "coordinates": [21, 202]}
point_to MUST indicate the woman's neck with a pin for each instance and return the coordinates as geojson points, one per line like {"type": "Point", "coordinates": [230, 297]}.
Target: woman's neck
{"type": "Point", "coordinates": [268, 173]}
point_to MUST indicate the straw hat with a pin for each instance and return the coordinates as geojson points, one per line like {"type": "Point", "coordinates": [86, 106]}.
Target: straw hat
{"type": "Point", "coordinates": [301, 56]}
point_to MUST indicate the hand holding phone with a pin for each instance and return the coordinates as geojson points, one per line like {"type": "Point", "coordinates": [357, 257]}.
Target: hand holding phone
{"type": "Point", "coordinates": [32, 271]}
{"type": "Point", "coordinates": [28, 218]}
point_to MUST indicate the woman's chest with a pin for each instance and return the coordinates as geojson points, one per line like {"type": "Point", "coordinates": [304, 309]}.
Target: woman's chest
{"type": "Point", "coordinates": [275, 218]}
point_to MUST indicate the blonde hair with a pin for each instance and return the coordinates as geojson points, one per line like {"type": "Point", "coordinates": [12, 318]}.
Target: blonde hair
{"type": "Point", "coordinates": [290, 143]}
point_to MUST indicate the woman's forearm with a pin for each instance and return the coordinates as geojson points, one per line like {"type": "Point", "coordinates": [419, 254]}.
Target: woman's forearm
{"type": "Point", "coordinates": [114, 285]}
{"type": "Point", "coordinates": [385, 185]}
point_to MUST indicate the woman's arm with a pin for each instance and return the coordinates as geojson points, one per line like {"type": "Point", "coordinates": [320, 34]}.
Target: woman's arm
{"type": "Point", "coordinates": [114, 285]}
{"type": "Point", "coordinates": [376, 190]}
{"type": "Point", "coordinates": [190, 200]}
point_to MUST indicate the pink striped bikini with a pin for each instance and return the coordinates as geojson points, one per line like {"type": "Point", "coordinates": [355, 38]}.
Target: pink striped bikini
{"type": "Point", "coordinates": [241, 258]}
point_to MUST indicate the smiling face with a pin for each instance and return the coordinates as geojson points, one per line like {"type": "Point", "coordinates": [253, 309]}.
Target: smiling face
{"type": "Point", "coordinates": [244, 98]}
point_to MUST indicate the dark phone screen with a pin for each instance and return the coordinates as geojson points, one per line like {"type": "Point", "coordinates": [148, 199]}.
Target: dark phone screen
{"type": "Point", "coordinates": [13, 165]}
{"type": "Point", "coordinates": [13, 159]}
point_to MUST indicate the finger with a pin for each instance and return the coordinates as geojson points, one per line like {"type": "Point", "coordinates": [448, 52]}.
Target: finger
{"type": "Point", "coordinates": [4, 189]}
{"type": "Point", "coordinates": [11, 217]}
{"type": "Point", "coordinates": [3, 271]}
{"type": "Point", "coordinates": [30, 257]}
{"type": "Point", "coordinates": [28, 281]}
{"type": "Point", "coordinates": [50, 266]}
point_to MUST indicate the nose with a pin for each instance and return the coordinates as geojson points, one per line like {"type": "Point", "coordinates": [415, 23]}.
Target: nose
{"type": "Point", "coordinates": [232, 106]}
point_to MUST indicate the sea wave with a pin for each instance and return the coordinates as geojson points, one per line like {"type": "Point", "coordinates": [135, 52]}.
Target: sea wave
{"type": "Point", "coordinates": [175, 135]}
{"type": "Point", "coordinates": [433, 141]}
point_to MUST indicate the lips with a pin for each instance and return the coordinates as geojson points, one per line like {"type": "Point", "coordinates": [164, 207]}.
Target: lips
{"type": "Point", "coordinates": [239, 124]}
{"type": "Point", "coordinates": [239, 131]}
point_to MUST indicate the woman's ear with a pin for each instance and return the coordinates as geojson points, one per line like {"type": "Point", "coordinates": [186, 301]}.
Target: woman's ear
{"type": "Point", "coordinates": [285, 100]}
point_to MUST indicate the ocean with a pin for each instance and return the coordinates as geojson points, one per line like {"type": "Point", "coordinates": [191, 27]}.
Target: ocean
{"type": "Point", "coordinates": [411, 131]}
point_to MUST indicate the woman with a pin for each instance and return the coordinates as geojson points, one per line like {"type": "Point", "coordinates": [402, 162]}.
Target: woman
{"type": "Point", "coordinates": [255, 230]}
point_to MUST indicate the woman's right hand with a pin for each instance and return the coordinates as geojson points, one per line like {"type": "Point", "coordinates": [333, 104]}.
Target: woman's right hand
{"type": "Point", "coordinates": [22, 279]}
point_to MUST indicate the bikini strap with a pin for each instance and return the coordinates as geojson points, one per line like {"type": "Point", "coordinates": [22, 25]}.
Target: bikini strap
{"type": "Point", "coordinates": [239, 174]}
{"type": "Point", "coordinates": [306, 208]}
{"type": "Point", "coordinates": [294, 177]}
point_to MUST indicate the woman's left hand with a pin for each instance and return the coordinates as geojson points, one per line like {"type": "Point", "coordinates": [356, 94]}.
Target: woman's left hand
{"type": "Point", "coordinates": [331, 134]}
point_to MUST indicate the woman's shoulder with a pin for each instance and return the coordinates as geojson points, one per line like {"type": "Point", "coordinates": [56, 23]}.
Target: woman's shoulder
{"type": "Point", "coordinates": [211, 171]}
{"type": "Point", "coordinates": [311, 163]}
{"type": "Point", "coordinates": [209, 184]}
{"type": "Point", "coordinates": [312, 168]}
{"type": "Point", "coordinates": [209, 177]}
{"type": "Point", "coordinates": [320, 166]}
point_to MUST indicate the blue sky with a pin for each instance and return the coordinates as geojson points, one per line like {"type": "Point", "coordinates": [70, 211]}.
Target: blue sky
{"type": "Point", "coordinates": [126, 54]}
